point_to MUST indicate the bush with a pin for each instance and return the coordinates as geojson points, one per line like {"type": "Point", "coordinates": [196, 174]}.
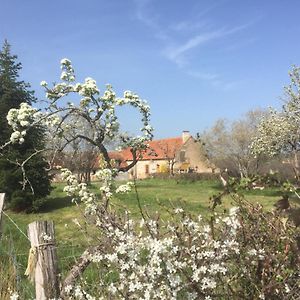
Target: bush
{"type": "Point", "coordinates": [25, 201]}
{"type": "Point", "coordinates": [245, 253]}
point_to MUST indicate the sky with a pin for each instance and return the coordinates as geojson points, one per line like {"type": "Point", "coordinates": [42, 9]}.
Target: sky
{"type": "Point", "coordinates": [194, 61]}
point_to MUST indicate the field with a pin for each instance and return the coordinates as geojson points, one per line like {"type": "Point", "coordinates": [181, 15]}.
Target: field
{"type": "Point", "coordinates": [155, 195]}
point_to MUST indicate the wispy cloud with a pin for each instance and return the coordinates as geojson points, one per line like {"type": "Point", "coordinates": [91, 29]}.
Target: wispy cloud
{"type": "Point", "coordinates": [176, 54]}
{"type": "Point", "coordinates": [181, 40]}
{"type": "Point", "coordinates": [189, 25]}
{"type": "Point", "coordinates": [141, 15]}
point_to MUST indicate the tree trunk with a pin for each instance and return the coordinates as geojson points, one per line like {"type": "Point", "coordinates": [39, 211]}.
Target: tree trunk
{"type": "Point", "coordinates": [2, 196]}
{"type": "Point", "coordinates": [171, 167]}
{"type": "Point", "coordinates": [296, 165]}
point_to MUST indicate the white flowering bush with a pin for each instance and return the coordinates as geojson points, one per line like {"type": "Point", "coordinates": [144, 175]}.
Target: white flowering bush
{"type": "Point", "coordinates": [279, 132]}
{"type": "Point", "coordinates": [20, 120]}
{"type": "Point", "coordinates": [243, 254]}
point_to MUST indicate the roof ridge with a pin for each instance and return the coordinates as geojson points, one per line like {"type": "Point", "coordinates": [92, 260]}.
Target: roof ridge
{"type": "Point", "coordinates": [172, 138]}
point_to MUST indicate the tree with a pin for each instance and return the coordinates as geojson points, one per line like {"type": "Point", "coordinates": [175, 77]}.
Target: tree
{"type": "Point", "coordinates": [279, 131]}
{"type": "Point", "coordinates": [13, 92]}
{"type": "Point", "coordinates": [170, 152]}
{"type": "Point", "coordinates": [80, 156]}
{"type": "Point", "coordinates": [187, 257]}
{"type": "Point", "coordinates": [96, 122]}
{"type": "Point", "coordinates": [227, 144]}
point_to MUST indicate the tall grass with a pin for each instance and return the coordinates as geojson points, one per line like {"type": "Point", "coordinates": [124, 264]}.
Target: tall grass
{"type": "Point", "coordinates": [155, 194]}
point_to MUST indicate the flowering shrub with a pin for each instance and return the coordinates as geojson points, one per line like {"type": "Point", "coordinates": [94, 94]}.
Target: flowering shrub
{"type": "Point", "coordinates": [243, 254]}
{"type": "Point", "coordinates": [279, 131]}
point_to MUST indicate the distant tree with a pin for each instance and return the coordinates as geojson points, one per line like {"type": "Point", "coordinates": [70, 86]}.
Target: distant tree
{"type": "Point", "coordinates": [80, 156]}
{"type": "Point", "coordinates": [227, 145]}
{"type": "Point", "coordinates": [13, 92]}
{"type": "Point", "coordinates": [170, 152]}
{"type": "Point", "coordinates": [279, 131]}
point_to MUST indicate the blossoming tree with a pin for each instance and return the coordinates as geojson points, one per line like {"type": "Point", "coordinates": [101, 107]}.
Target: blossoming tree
{"type": "Point", "coordinates": [95, 114]}
{"type": "Point", "coordinates": [279, 131]}
{"type": "Point", "coordinates": [184, 257]}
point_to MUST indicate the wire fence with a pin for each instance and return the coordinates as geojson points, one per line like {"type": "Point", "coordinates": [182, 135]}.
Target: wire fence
{"type": "Point", "coordinates": [14, 254]}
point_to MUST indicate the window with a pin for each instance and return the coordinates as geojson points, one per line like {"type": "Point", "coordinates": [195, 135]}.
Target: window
{"type": "Point", "coordinates": [182, 156]}
{"type": "Point", "coordinates": [147, 169]}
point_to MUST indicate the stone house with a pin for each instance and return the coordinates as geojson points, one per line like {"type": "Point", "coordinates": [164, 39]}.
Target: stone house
{"type": "Point", "coordinates": [175, 155]}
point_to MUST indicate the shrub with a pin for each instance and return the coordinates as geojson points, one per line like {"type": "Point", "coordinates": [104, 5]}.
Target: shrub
{"type": "Point", "coordinates": [25, 201]}
{"type": "Point", "coordinates": [246, 253]}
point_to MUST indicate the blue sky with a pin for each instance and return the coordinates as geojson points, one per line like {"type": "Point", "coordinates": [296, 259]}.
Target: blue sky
{"type": "Point", "coordinates": [194, 61]}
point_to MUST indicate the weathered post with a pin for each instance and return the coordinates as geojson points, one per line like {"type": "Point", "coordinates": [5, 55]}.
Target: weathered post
{"type": "Point", "coordinates": [2, 196]}
{"type": "Point", "coordinates": [42, 261]}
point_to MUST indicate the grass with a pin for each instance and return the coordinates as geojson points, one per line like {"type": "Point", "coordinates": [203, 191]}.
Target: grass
{"type": "Point", "coordinates": [155, 195]}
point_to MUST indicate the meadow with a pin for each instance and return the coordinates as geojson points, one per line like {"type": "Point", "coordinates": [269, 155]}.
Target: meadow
{"type": "Point", "coordinates": [156, 196]}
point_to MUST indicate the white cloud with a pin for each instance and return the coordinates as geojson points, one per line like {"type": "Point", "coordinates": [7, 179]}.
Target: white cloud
{"type": "Point", "coordinates": [176, 54]}
{"type": "Point", "coordinates": [180, 39]}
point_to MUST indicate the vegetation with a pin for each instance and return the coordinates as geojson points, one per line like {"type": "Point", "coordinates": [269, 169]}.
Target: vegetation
{"type": "Point", "coordinates": [227, 144]}
{"type": "Point", "coordinates": [12, 93]}
{"type": "Point", "coordinates": [157, 195]}
{"type": "Point", "coordinates": [278, 133]}
{"type": "Point", "coordinates": [135, 242]}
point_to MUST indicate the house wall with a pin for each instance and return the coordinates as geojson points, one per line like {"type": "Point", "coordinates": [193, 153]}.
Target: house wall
{"type": "Point", "coordinates": [193, 155]}
{"type": "Point", "coordinates": [152, 166]}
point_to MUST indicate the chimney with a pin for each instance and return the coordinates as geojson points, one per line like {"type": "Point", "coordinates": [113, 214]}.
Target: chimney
{"type": "Point", "coordinates": [185, 135]}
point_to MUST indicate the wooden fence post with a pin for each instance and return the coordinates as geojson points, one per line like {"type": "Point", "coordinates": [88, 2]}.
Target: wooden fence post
{"type": "Point", "coordinates": [2, 196]}
{"type": "Point", "coordinates": [41, 235]}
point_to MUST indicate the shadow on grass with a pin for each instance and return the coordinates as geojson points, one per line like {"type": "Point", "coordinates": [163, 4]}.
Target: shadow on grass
{"type": "Point", "coordinates": [266, 192]}
{"type": "Point", "coordinates": [54, 203]}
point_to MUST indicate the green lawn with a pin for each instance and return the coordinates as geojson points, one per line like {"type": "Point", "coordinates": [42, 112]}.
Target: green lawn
{"type": "Point", "coordinates": [155, 196]}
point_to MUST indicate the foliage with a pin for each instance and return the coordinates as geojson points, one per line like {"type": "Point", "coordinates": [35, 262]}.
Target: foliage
{"type": "Point", "coordinates": [279, 132]}
{"type": "Point", "coordinates": [170, 152]}
{"type": "Point", "coordinates": [155, 195]}
{"type": "Point", "coordinates": [227, 144]}
{"type": "Point", "coordinates": [12, 94]}
{"type": "Point", "coordinates": [79, 156]}
{"type": "Point", "coordinates": [96, 123]}
{"type": "Point", "coordinates": [187, 256]}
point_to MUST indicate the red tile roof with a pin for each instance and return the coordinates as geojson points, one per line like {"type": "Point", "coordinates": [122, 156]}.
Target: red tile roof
{"type": "Point", "coordinates": [158, 149]}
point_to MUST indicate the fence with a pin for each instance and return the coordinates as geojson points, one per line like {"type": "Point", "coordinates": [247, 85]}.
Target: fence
{"type": "Point", "coordinates": [42, 267]}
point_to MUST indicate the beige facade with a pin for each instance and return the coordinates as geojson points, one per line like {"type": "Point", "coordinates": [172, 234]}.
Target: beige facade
{"type": "Point", "coordinates": [187, 158]}
{"type": "Point", "coordinates": [146, 168]}
{"type": "Point", "coordinates": [191, 156]}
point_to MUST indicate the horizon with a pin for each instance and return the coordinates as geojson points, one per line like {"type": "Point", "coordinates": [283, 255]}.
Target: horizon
{"type": "Point", "coordinates": [194, 62]}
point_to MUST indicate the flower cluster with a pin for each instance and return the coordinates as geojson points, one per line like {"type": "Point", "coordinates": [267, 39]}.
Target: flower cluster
{"type": "Point", "coordinates": [20, 120]}
{"type": "Point", "coordinates": [274, 132]}
{"type": "Point", "coordinates": [188, 257]}
{"type": "Point", "coordinates": [97, 110]}
{"type": "Point", "coordinates": [124, 188]}
{"type": "Point", "coordinates": [80, 193]}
